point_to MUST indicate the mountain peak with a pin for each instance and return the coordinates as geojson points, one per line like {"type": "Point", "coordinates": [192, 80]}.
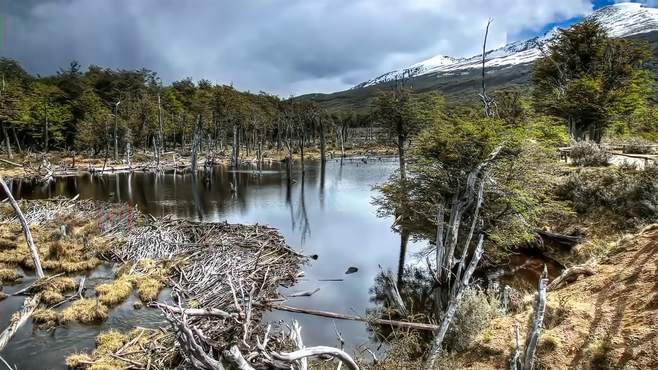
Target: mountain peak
{"type": "Point", "coordinates": [619, 20]}
{"type": "Point", "coordinates": [626, 19]}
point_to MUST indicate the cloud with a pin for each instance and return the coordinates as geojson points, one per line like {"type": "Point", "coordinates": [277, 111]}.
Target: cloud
{"type": "Point", "coordinates": [281, 46]}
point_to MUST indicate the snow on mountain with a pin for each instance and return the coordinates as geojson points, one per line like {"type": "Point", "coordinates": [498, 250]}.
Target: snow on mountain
{"type": "Point", "coordinates": [619, 20]}
{"type": "Point", "coordinates": [626, 19]}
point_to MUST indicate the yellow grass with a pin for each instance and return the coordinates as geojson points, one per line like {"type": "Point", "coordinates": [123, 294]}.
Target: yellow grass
{"type": "Point", "coordinates": [85, 311]}
{"type": "Point", "coordinates": [148, 288]}
{"type": "Point", "coordinates": [116, 292]}
{"type": "Point", "coordinates": [9, 275]}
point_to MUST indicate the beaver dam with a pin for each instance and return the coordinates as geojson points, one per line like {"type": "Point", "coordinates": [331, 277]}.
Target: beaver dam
{"type": "Point", "coordinates": [221, 278]}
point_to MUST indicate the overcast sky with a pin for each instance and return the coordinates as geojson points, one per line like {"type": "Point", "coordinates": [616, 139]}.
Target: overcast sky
{"type": "Point", "coordinates": [279, 46]}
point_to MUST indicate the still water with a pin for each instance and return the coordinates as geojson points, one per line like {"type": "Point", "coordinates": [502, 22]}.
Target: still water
{"type": "Point", "coordinates": [325, 214]}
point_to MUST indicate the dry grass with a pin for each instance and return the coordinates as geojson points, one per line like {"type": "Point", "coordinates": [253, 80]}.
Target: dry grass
{"type": "Point", "coordinates": [128, 345]}
{"type": "Point", "coordinates": [45, 318]}
{"type": "Point", "coordinates": [51, 297]}
{"type": "Point", "coordinates": [86, 311]}
{"type": "Point", "coordinates": [114, 293]}
{"type": "Point", "coordinates": [148, 288]}
{"type": "Point", "coordinates": [607, 321]}
{"type": "Point", "coordinates": [9, 275]}
{"type": "Point", "coordinates": [7, 244]}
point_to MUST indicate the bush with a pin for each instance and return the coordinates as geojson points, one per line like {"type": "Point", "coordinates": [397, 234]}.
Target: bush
{"type": "Point", "coordinates": [589, 154]}
{"type": "Point", "coordinates": [626, 192]}
{"type": "Point", "coordinates": [638, 146]}
{"type": "Point", "coordinates": [473, 314]}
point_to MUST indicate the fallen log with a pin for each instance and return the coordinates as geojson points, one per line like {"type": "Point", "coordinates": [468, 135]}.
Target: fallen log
{"type": "Point", "coordinates": [340, 316]}
{"type": "Point", "coordinates": [566, 241]}
{"type": "Point", "coordinates": [24, 314]}
{"type": "Point", "coordinates": [569, 276]}
{"type": "Point", "coordinates": [211, 312]}
{"type": "Point", "coordinates": [11, 163]}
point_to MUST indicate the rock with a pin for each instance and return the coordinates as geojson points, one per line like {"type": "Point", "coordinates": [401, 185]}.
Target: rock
{"type": "Point", "coordinates": [351, 270]}
{"type": "Point", "coordinates": [138, 305]}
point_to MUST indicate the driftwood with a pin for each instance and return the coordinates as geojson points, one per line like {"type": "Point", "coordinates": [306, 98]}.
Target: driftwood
{"type": "Point", "coordinates": [570, 275]}
{"type": "Point", "coordinates": [318, 351]}
{"type": "Point", "coordinates": [26, 230]}
{"type": "Point", "coordinates": [305, 293]}
{"type": "Point", "coordinates": [24, 314]}
{"type": "Point", "coordinates": [340, 316]}
{"type": "Point", "coordinates": [211, 312]}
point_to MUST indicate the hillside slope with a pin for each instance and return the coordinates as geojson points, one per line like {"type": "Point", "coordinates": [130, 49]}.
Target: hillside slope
{"type": "Point", "coordinates": [511, 65]}
{"type": "Point", "coordinates": [605, 321]}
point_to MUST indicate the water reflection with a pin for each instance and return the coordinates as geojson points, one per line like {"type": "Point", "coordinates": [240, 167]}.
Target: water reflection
{"type": "Point", "coordinates": [326, 211]}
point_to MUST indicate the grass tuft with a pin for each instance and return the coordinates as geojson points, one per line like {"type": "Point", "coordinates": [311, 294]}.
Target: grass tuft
{"type": "Point", "coordinates": [116, 292]}
{"type": "Point", "coordinates": [86, 311]}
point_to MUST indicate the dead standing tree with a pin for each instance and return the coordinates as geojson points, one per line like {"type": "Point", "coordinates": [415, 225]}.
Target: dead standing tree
{"type": "Point", "coordinates": [466, 203]}
{"type": "Point", "coordinates": [487, 101]}
{"type": "Point", "coordinates": [526, 360]}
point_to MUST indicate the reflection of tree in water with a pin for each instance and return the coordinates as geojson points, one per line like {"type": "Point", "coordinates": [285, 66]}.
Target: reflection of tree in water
{"type": "Point", "coordinates": [416, 293]}
{"type": "Point", "coordinates": [300, 217]}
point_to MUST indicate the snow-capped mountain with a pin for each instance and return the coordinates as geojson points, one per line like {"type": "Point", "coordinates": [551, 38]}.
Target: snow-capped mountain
{"type": "Point", "coordinates": [619, 20]}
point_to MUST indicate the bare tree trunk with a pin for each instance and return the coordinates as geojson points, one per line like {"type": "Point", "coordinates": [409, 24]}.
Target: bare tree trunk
{"type": "Point", "coordinates": [45, 111]}
{"type": "Point", "coordinates": [403, 166]}
{"type": "Point", "coordinates": [452, 306]}
{"type": "Point", "coordinates": [7, 143]}
{"type": "Point", "coordinates": [195, 145]}
{"type": "Point", "coordinates": [323, 155]}
{"type": "Point", "coordinates": [236, 148]}
{"type": "Point", "coordinates": [18, 143]}
{"type": "Point", "coordinates": [538, 319]}
{"type": "Point", "coordinates": [116, 138]}
{"type": "Point", "coordinates": [160, 130]}
{"type": "Point", "coordinates": [26, 229]}
{"type": "Point", "coordinates": [486, 100]}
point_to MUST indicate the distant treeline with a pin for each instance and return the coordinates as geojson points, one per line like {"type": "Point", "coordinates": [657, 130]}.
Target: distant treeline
{"type": "Point", "coordinates": [101, 110]}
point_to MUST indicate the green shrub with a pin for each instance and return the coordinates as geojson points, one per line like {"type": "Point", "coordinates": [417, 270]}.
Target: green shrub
{"type": "Point", "coordinates": [638, 146]}
{"type": "Point", "coordinates": [626, 192]}
{"type": "Point", "coordinates": [589, 154]}
{"type": "Point", "coordinates": [473, 314]}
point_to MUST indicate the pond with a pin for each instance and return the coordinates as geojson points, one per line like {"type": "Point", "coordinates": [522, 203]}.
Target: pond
{"type": "Point", "coordinates": [325, 214]}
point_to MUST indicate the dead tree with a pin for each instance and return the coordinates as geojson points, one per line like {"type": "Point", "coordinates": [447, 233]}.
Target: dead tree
{"type": "Point", "coordinates": [195, 144]}
{"type": "Point", "coordinates": [26, 229]}
{"type": "Point", "coordinates": [235, 157]}
{"type": "Point", "coordinates": [160, 129]}
{"type": "Point", "coordinates": [487, 101]}
{"type": "Point", "coordinates": [453, 283]}
{"type": "Point", "coordinates": [526, 360]}
{"type": "Point", "coordinates": [116, 138]}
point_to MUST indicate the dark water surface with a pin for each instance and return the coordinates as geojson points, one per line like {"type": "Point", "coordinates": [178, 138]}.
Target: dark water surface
{"type": "Point", "coordinates": [328, 214]}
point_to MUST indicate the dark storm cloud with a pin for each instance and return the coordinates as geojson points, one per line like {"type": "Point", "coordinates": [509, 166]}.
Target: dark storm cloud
{"type": "Point", "coordinates": [285, 47]}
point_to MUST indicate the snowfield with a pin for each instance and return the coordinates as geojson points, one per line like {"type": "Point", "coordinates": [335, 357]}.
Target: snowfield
{"type": "Point", "coordinates": [619, 20]}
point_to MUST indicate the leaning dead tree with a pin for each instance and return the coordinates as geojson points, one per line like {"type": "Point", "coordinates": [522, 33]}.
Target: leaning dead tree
{"type": "Point", "coordinates": [26, 229]}
{"type": "Point", "coordinates": [526, 360]}
{"type": "Point", "coordinates": [453, 275]}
